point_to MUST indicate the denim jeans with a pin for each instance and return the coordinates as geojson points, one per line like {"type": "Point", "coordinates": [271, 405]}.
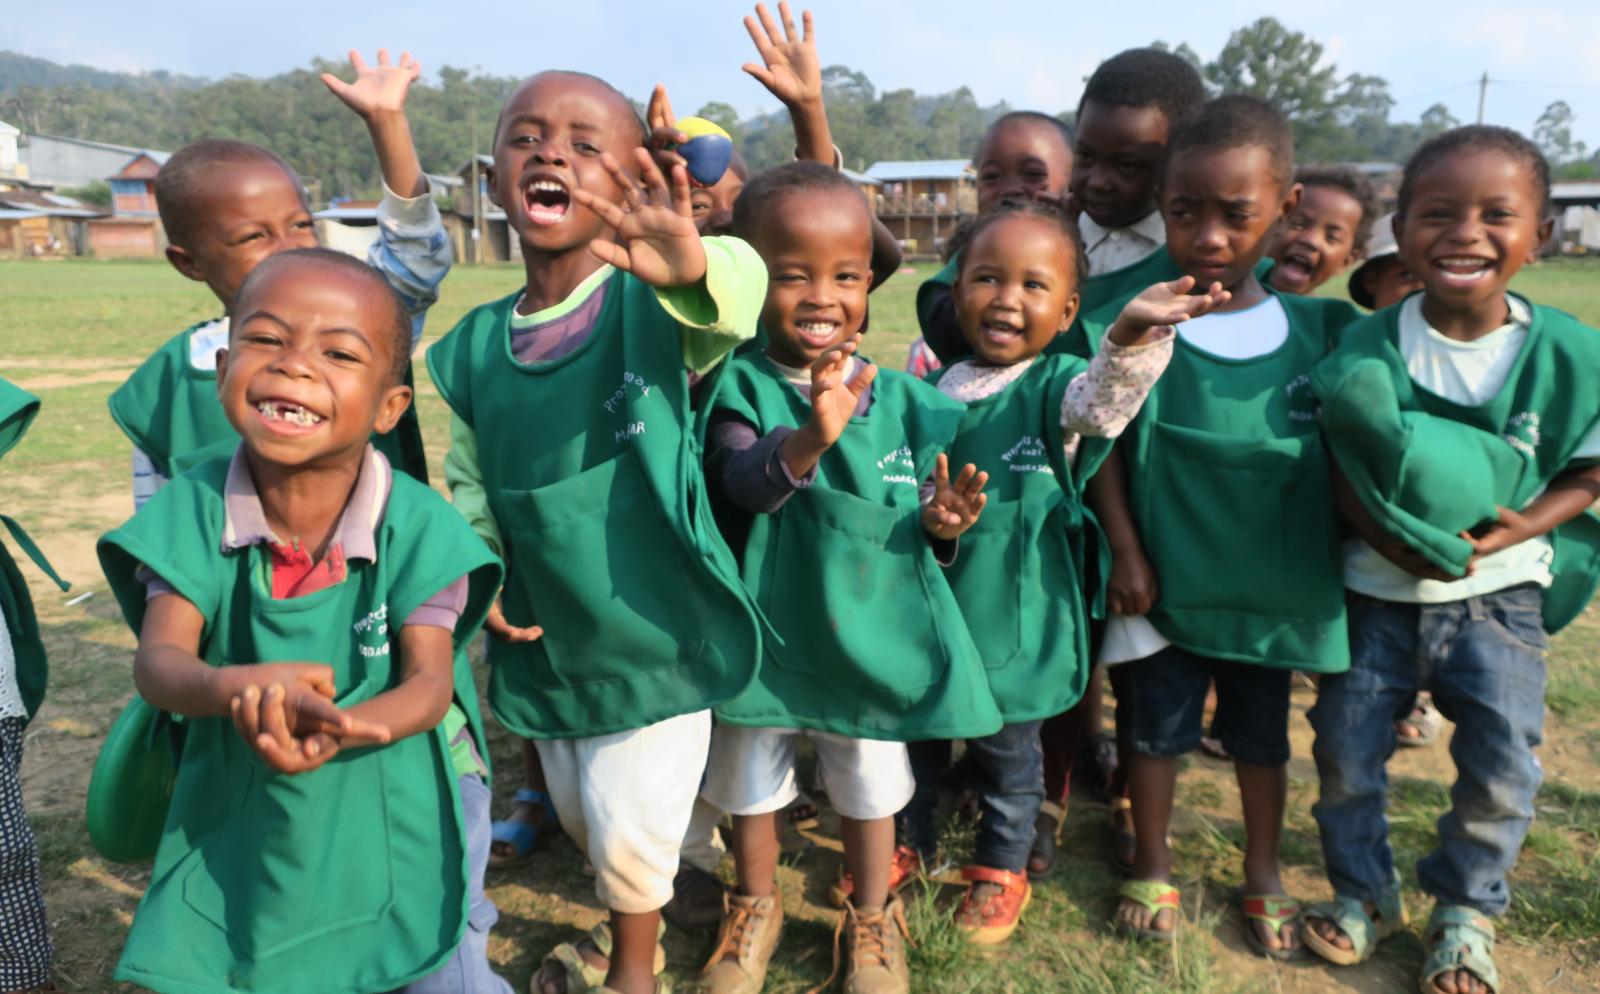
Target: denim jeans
{"type": "Point", "coordinates": [1008, 775]}
{"type": "Point", "coordinates": [1483, 659]}
{"type": "Point", "coordinates": [468, 971]}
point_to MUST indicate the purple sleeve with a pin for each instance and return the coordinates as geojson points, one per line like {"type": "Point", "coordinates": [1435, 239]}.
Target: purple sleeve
{"type": "Point", "coordinates": [746, 469]}
{"type": "Point", "coordinates": [443, 609]}
{"type": "Point", "coordinates": [154, 586]}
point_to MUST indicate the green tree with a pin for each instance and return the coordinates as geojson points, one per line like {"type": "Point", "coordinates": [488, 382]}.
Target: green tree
{"type": "Point", "coordinates": [1553, 134]}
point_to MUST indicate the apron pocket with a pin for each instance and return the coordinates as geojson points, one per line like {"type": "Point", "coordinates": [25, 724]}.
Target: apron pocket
{"type": "Point", "coordinates": [1224, 520]}
{"type": "Point", "coordinates": [843, 588]}
{"type": "Point", "coordinates": [987, 579]}
{"type": "Point", "coordinates": [302, 841]}
{"type": "Point", "coordinates": [602, 570]}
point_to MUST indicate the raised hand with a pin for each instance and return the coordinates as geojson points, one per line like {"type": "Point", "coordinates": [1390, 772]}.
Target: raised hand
{"type": "Point", "coordinates": [792, 71]}
{"type": "Point", "coordinates": [664, 133]}
{"type": "Point", "coordinates": [656, 239]}
{"type": "Point", "coordinates": [834, 401]}
{"type": "Point", "coordinates": [378, 89]}
{"type": "Point", "coordinates": [956, 504]}
{"type": "Point", "coordinates": [1161, 306]}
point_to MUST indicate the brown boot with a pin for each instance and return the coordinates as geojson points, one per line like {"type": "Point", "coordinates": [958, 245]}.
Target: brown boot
{"type": "Point", "coordinates": [749, 934]}
{"type": "Point", "coordinates": [875, 950]}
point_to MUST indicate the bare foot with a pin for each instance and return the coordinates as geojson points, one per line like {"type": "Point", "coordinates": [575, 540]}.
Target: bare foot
{"type": "Point", "coordinates": [1460, 982]}
{"type": "Point", "coordinates": [552, 976]}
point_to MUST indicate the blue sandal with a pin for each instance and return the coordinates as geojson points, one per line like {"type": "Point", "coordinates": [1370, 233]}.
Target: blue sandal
{"type": "Point", "coordinates": [521, 836]}
{"type": "Point", "coordinates": [1458, 938]}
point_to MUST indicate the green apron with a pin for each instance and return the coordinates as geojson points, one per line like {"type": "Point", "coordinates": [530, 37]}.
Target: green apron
{"type": "Point", "coordinates": [350, 878]}
{"type": "Point", "coordinates": [1018, 574]}
{"type": "Point", "coordinates": [17, 410]}
{"type": "Point", "coordinates": [1229, 488]}
{"type": "Point", "coordinates": [169, 409]}
{"type": "Point", "coordinates": [591, 467]}
{"type": "Point", "coordinates": [1428, 468]}
{"type": "Point", "coordinates": [873, 643]}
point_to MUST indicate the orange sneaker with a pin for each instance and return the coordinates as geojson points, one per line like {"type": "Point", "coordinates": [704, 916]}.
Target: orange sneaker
{"type": "Point", "coordinates": [907, 864]}
{"type": "Point", "coordinates": [994, 904]}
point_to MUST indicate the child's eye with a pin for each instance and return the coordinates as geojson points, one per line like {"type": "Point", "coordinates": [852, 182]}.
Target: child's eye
{"type": "Point", "coordinates": [1499, 214]}
{"type": "Point", "coordinates": [524, 140]}
{"type": "Point", "coordinates": [1334, 238]}
{"type": "Point", "coordinates": [985, 279]}
{"type": "Point", "coordinates": [340, 355]}
{"type": "Point", "coordinates": [788, 278]}
{"type": "Point", "coordinates": [1239, 217]}
{"type": "Point", "coordinates": [1035, 285]}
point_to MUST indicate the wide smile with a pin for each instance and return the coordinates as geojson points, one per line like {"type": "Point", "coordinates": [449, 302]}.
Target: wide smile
{"type": "Point", "coordinates": [1463, 271]}
{"type": "Point", "coordinates": [286, 417]}
{"type": "Point", "coordinates": [817, 334]}
{"type": "Point", "coordinates": [546, 202]}
{"type": "Point", "coordinates": [1297, 268]}
{"type": "Point", "coordinates": [1000, 332]}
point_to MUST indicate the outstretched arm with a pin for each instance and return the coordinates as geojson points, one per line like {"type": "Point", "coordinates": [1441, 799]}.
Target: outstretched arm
{"type": "Point", "coordinates": [791, 71]}
{"type": "Point", "coordinates": [378, 95]}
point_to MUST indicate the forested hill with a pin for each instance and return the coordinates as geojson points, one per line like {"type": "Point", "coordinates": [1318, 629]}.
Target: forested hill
{"type": "Point", "coordinates": [1337, 117]}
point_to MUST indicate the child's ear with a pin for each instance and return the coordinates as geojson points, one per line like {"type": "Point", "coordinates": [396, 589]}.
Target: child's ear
{"type": "Point", "coordinates": [1070, 314]}
{"type": "Point", "coordinates": [1547, 227]}
{"type": "Point", "coordinates": [1291, 201]}
{"type": "Point", "coordinates": [494, 188]}
{"type": "Point", "coordinates": [222, 369]}
{"type": "Point", "coordinates": [395, 401]}
{"type": "Point", "coordinates": [184, 263]}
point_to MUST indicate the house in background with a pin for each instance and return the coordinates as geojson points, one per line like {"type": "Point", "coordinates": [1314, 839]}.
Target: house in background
{"type": "Point", "coordinates": [479, 231]}
{"type": "Point", "coordinates": [133, 231]}
{"type": "Point", "coordinates": [922, 202]}
{"type": "Point", "coordinates": [55, 161]}
{"type": "Point", "coordinates": [39, 224]}
{"type": "Point", "coordinates": [1576, 204]}
{"type": "Point", "coordinates": [12, 172]}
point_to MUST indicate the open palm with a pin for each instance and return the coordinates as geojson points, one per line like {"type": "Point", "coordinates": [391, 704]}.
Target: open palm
{"type": "Point", "coordinates": [377, 89]}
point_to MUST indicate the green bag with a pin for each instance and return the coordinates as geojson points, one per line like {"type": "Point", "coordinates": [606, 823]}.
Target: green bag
{"type": "Point", "coordinates": [131, 787]}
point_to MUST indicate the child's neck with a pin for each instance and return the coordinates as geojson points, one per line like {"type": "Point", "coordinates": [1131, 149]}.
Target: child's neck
{"type": "Point", "coordinates": [552, 276]}
{"type": "Point", "coordinates": [1465, 324]}
{"type": "Point", "coordinates": [1246, 294]}
{"type": "Point", "coordinates": [303, 504]}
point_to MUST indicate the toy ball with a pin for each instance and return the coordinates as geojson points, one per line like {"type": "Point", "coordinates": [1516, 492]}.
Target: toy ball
{"type": "Point", "coordinates": [707, 152]}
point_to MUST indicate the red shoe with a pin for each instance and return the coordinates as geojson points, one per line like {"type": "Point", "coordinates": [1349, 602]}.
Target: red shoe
{"type": "Point", "coordinates": [994, 904]}
{"type": "Point", "coordinates": [907, 864]}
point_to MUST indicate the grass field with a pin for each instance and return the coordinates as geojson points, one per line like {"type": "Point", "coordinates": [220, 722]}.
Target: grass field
{"type": "Point", "coordinates": [71, 331]}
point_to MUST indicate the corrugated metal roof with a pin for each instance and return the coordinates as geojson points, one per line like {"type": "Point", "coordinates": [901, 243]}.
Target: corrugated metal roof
{"type": "Point", "coordinates": [928, 169]}
{"type": "Point", "coordinates": [348, 213]}
{"type": "Point", "coordinates": [10, 214]}
{"type": "Point", "coordinates": [856, 177]}
{"type": "Point", "coordinates": [1575, 190]}
{"type": "Point", "coordinates": [48, 203]}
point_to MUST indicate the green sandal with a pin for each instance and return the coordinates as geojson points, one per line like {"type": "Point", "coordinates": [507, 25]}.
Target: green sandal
{"type": "Point", "coordinates": [1458, 938]}
{"type": "Point", "coordinates": [1275, 911]}
{"type": "Point", "coordinates": [1349, 916]}
{"type": "Point", "coordinates": [582, 976]}
{"type": "Point", "coordinates": [1154, 896]}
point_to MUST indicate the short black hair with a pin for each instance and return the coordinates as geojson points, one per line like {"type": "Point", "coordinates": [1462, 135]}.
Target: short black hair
{"type": "Point", "coordinates": [397, 320]}
{"type": "Point", "coordinates": [1351, 182]}
{"type": "Point", "coordinates": [1236, 121]}
{"type": "Point", "coordinates": [1029, 117]}
{"type": "Point", "coordinates": [1147, 77]}
{"type": "Point", "coordinates": [756, 199]}
{"type": "Point", "coordinates": [633, 111]}
{"type": "Point", "coordinates": [1044, 211]}
{"type": "Point", "coordinates": [179, 180]}
{"type": "Point", "coordinates": [1476, 138]}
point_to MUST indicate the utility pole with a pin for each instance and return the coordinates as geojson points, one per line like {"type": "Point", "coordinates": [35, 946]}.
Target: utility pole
{"type": "Point", "coordinates": [1483, 92]}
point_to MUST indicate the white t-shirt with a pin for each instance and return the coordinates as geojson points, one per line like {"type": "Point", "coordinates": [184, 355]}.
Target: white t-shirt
{"type": "Point", "coordinates": [1254, 331]}
{"type": "Point", "coordinates": [1469, 373]}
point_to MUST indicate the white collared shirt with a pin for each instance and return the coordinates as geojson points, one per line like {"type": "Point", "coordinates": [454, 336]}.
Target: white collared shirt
{"type": "Point", "coordinates": [1110, 249]}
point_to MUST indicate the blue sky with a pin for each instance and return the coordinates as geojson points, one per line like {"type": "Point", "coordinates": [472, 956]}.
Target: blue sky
{"type": "Point", "coordinates": [1032, 53]}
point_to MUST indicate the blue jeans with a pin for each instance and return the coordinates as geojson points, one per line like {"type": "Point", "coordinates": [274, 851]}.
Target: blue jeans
{"type": "Point", "coordinates": [1483, 659]}
{"type": "Point", "coordinates": [468, 971]}
{"type": "Point", "coordinates": [1008, 774]}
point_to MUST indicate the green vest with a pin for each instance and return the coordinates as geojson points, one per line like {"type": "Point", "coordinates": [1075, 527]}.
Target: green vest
{"type": "Point", "coordinates": [353, 877]}
{"type": "Point", "coordinates": [1018, 574]}
{"type": "Point", "coordinates": [17, 409]}
{"type": "Point", "coordinates": [1428, 468]}
{"type": "Point", "coordinates": [169, 409]}
{"type": "Point", "coordinates": [873, 643]}
{"type": "Point", "coordinates": [1229, 487]}
{"type": "Point", "coordinates": [591, 468]}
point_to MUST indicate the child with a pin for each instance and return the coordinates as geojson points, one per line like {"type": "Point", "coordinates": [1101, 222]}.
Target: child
{"type": "Point", "coordinates": [1226, 441]}
{"type": "Point", "coordinates": [1467, 423]}
{"type": "Point", "coordinates": [1017, 577]}
{"type": "Point", "coordinates": [227, 205]}
{"type": "Point", "coordinates": [817, 458]}
{"type": "Point", "coordinates": [305, 545]}
{"type": "Point", "coordinates": [1383, 278]}
{"type": "Point", "coordinates": [606, 498]}
{"type": "Point", "coordinates": [1326, 233]}
{"type": "Point", "coordinates": [24, 931]}
{"type": "Point", "coordinates": [1024, 155]}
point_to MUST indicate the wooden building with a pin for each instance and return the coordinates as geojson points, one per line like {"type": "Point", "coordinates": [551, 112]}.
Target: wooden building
{"type": "Point", "coordinates": [922, 202]}
{"type": "Point", "coordinates": [39, 224]}
{"type": "Point", "coordinates": [133, 231]}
